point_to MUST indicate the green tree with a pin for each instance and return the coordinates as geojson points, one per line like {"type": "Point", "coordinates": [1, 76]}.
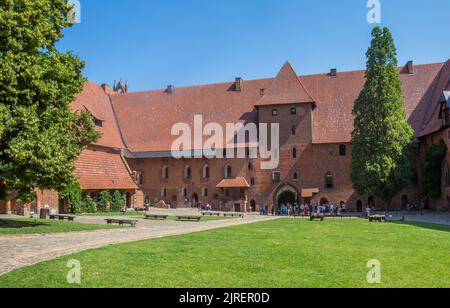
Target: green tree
{"type": "Point", "coordinates": [89, 205]}
{"type": "Point", "coordinates": [434, 157]}
{"type": "Point", "coordinates": [72, 192]}
{"type": "Point", "coordinates": [382, 138]}
{"type": "Point", "coordinates": [40, 136]}
{"type": "Point", "coordinates": [118, 201]}
{"type": "Point", "coordinates": [104, 202]}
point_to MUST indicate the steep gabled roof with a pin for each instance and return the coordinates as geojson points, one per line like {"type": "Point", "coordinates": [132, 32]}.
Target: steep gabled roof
{"type": "Point", "coordinates": [103, 170]}
{"type": "Point", "coordinates": [94, 100]}
{"type": "Point", "coordinates": [286, 88]}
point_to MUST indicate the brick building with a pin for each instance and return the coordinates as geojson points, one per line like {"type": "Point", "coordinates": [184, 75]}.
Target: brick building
{"type": "Point", "coordinates": [315, 117]}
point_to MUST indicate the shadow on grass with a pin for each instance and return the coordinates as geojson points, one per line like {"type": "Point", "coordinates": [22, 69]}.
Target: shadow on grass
{"type": "Point", "coordinates": [15, 224]}
{"type": "Point", "coordinates": [425, 225]}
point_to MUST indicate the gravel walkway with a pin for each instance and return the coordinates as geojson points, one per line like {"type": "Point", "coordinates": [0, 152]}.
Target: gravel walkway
{"type": "Point", "coordinates": [17, 251]}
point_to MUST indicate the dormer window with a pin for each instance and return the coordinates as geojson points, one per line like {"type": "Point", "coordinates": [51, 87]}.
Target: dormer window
{"type": "Point", "coordinates": [98, 122]}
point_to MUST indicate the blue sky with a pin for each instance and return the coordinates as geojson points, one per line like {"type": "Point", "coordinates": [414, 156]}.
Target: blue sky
{"type": "Point", "coordinates": [153, 43]}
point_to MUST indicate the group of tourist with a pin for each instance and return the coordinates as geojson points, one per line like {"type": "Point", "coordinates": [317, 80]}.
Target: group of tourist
{"type": "Point", "coordinates": [305, 209]}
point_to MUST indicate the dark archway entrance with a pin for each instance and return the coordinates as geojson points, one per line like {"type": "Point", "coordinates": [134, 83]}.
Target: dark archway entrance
{"type": "Point", "coordinates": [128, 198]}
{"type": "Point", "coordinates": [195, 200]}
{"type": "Point", "coordinates": [359, 206]}
{"type": "Point", "coordinates": [405, 203]}
{"type": "Point", "coordinates": [286, 197]}
{"type": "Point", "coordinates": [253, 205]}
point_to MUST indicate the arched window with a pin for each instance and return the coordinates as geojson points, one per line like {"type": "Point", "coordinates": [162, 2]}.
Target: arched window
{"type": "Point", "coordinates": [342, 150]}
{"type": "Point", "coordinates": [165, 172]}
{"type": "Point", "coordinates": [295, 176]}
{"type": "Point", "coordinates": [250, 166]}
{"type": "Point", "coordinates": [187, 172]}
{"type": "Point", "coordinates": [329, 180]}
{"type": "Point", "coordinates": [294, 130]}
{"type": "Point", "coordinates": [228, 172]}
{"type": "Point", "coordinates": [294, 153]}
{"type": "Point", "coordinates": [274, 112]}
{"type": "Point", "coordinates": [252, 182]}
{"type": "Point", "coordinates": [163, 192]}
{"type": "Point", "coordinates": [206, 172]}
{"type": "Point", "coordinates": [205, 192]}
{"type": "Point", "coordinates": [184, 192]}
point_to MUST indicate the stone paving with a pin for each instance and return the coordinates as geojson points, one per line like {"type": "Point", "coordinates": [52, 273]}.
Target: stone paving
{"type": "Point", "coordinates": [17, 251]}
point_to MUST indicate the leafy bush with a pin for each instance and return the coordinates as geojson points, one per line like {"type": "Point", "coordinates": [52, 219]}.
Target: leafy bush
{"type": "Point", "coordinates": [434, 157]}
{"type": "Point", "coordinates": [104, 203]}
{"type": "Point", "coordinates": [89, 205]}
{"type": "Point", "coordinates": [118, 201]}
{"type": "Point", "coordinates": [72, 193]}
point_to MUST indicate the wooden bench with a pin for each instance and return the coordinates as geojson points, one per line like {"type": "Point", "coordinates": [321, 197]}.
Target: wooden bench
{"type": "Point", "coordinates": [189, 218]}
{"type": "Point", "coordinates": [233, 215]}
{"type": "Point", "coordinates": [122, 222]}
{"type": "Point", "coordinates": [377, 218]}
{"type": "Point", "coordinates": [318, 217]}
{"type": "Point", "coordinates": [156, 217]}
{"type": "Point", "coordinates": [211, 214]}
{"type": "Point", "coordinates": [62, 217]}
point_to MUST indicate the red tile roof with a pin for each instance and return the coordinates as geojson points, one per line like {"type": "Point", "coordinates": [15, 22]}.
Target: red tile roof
{"type": "Point", "coordinates": [146, 118]}
{"type": "Point", "coordinates": [233, 183]}
{"type": "Point", "coordinates": [94, 99]}
{"type": "Point", "coordinates": [286, 88]}
{"type": "Point", "coordinates": [98, 170]}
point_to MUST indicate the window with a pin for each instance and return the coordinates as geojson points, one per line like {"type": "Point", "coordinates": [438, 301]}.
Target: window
{"type": "Point", "coordinates": [329, 180]}
{"type": "Point", "coordinates": [294, 130]}
{"type": "Point", "coordinates": [294, 153]}
{"type": "Point", "coordinates": [295, 176]}
{"type": "Point", "coordinates": [342, 150]}
{"type": "Point", "coordinates": [252, 182]}
{"type": "Point", "coordinates": [250, 166]}
{"type": "Point", "coordinates": [163, 192]}
{"type": "Point", "coordinates": [276, 176]}
{"type": "Point", "coordinates": [185, 193]}
{"type": "Point", "coordinates": [275, 112]}
{"type": "Point", "coordinates": [228, 172]}
{"type": "Point", "coordinates": [98, 122]}
{"type": "Point", "coordinates": [227, 192]}
{"type": "Point", "coordinates": [165, 172]}
{"type": "Point", "coordinates": [205, 192]}
{"type": "Point", "coordinates": [140, 178]}
{"type": "Point", "coordinates": [206, 172]}
{"type": "Point", "coordinates": [293, 111]}
{"type": "Point", "coordinates": [187, 173]}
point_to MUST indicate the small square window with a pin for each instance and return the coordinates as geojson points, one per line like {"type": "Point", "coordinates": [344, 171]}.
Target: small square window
{"type": "Point", "coordinates": [274, 112]}
{"type": "Point", "coordinates": [293, 111]}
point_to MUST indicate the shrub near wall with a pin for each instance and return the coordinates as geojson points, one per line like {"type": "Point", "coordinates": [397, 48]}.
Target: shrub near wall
{"type": "Point", "coordinates": [434, 157]}
{"type": "Point", "coordinates": [73, 195]}
{"type": "Point", "coordinates": [118, 201]}
{"type": "Point", "coordinates": [89, 205]}
{"type": "Point", "coordinates": [104, 203]}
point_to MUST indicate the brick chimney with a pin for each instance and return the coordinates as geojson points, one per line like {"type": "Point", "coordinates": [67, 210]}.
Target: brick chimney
{"type": "Point", "coordinates": [170, 89]}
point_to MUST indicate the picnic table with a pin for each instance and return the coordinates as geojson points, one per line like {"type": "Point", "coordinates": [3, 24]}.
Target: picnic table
{"type": "Point", "coordinates": [62, 217]}
{"type": "Point", "coordinates": [233, 215]}
{"type": "Point", "coordinates": [156, 216]}
{"type": "Point", "coordinates": [189, 218]}
{"type": "Point", "coordinates": [211, 214]}
{"type": "Point", "coordinates": [318, 217]}
{"type": "Point", "coordinates": [377, 218]}
{"type": "Point", "coordinates": [121, 222]}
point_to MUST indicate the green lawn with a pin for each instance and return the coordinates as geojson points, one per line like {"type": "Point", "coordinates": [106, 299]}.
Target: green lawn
{"type": "Point", "coordinates": [280, 253]}
{"type": "Point", "coordinates": [38, 226]}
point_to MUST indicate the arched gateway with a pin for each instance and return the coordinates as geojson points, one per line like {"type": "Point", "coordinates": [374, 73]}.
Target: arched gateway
{"type": "Point", "coordinates": [286, 195]}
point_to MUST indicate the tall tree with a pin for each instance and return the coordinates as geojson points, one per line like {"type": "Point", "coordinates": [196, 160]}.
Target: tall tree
{"type": "Point", "coordinates": [382, 145]}
{"type": "Point", "coordinates": [40, 136]}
